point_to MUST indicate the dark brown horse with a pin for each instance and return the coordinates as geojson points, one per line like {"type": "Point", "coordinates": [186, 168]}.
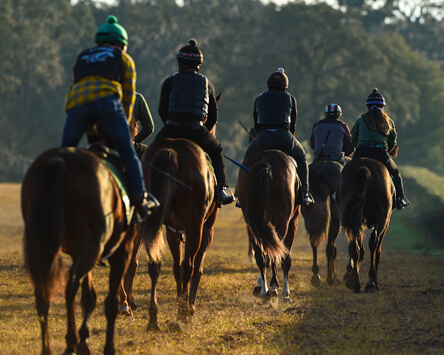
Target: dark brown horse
{"type": "Point", "coordinates": [366, 199]}
{"type": "Point", "coordinates": [72, 204]}
{"type": "Point", "coordinates": [270, 196]}
{"type": "Point", "coordinates": [322, 219]}
{"type": "Point", "coordinates": [178, 173]}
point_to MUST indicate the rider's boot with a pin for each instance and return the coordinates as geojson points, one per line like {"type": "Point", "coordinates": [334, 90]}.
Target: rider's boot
{"type": "Point", "coordinates": [224, 195]}
{"type": "Point", "coordinates": [145, 204]}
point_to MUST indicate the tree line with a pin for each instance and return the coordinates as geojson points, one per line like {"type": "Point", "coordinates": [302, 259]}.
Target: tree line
{"type": "Point", "coordinates": [330, 54]}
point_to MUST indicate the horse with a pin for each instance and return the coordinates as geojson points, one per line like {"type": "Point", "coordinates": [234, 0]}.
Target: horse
{"type": "Point", "coordinates": [270, 196]}
{"type": "Point", "coordinates": [366, 196]}
{"type": "Point", "coordinates": [179, 174]}
{"type": "Point", "coordinates": [71, 204]}
{"type": "Point", "coordinates": [322, 219]}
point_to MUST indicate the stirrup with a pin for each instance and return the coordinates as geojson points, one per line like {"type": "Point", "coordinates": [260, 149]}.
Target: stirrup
{"type": "Point", "coordinates": [402, 202]}
{"type": "Point", "coordinates": [223, 197]}
{"type": "Point", "coordinates": [307, 199]}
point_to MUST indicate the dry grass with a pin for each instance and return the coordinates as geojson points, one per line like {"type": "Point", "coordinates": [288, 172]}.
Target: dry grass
{"type": "Point", "coordinates": [405, 317]}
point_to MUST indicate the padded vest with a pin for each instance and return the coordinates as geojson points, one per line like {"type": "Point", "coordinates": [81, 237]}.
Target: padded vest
{"type": "Point", "coordinates": [273, 107]}
{"type": "Point", "coordinates": [101, 61]}
{"type": "Point", "coordinates": [189, 94]}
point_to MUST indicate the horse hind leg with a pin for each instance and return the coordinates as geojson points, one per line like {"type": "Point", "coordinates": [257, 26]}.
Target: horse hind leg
{"type": "Point", "coordinates": [88, 301]}
{"type": "Point", "coordinates": [42, 305]}
{"type": "Point", "coordinates": [154, 272]}
{"type": "Point", "coordinates": [371, 284]}
{"type": "Point", "coordinates": [375, 243]}
{"type": "Point", "coordinates": [71, 290]}
{"type": "Point", "coordinates": [331, 251]}
{"type": "Point", "coordinates": [352, 282]}
{"type": "Point", "coordinates": [274, 283]}
{"type": "Point", "coordinates": [315, 279]}
{"type": "Point", "coordinates": [261, 288]}
{"type": "Point", "coordinates": [286, 264]}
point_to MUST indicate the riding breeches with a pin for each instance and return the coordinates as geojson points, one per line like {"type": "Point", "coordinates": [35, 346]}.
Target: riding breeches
{"type": "Point", "coordinates": [283, 140]}
{"type": "Point", "coordinates": [109, 111]}
{"type": "Point", "coordinates": [381, 155]}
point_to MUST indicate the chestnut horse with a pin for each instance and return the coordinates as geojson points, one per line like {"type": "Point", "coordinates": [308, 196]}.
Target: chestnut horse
{"type": "Point", "coordinates": [179, 174]}
{"type": "Point", "coordinates": [366, 200]}
{"type": "Point", "coordinates": [72, 204]}
{"type": "Point", "coordinates": [270, 196]}
{"type": "Point", "coordinates": [322, 219]}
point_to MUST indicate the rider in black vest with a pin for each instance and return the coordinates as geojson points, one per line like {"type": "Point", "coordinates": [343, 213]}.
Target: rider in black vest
{"type": "Point", "coordinates": [275, 116]}
{"type": "Point", "coordinates": [188, 107]}
{"type": "Point", "coordinates": [330, 138]}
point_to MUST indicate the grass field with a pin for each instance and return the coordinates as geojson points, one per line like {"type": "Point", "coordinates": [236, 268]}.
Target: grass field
{"type": "Point", "coordinates": [405, 317]}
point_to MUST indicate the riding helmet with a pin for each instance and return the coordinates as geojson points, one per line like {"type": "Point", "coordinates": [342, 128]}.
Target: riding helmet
{"type": "Point", "coordinates": [190, 53]}
{"type": "Point", "coordinates": [333, 110]}
{"type": "Point", "coordinates": [375, 98]}
{"type": "Point", "coordinates": [111, 31]}
{"type": "Point", "coordinates": [278, 80]}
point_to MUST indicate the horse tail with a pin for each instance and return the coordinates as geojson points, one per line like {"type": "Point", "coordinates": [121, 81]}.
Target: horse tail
{"type": "Point", "coordinates": [318, 215]}
{"type": "Point", "coordinates": [167, 161]}
{"type": "Point", "coordinates": [352, 210]}
{"type": "Point", "coordinates": [44, 229]}
{"type": "Point", "coordinates": [264, 235]}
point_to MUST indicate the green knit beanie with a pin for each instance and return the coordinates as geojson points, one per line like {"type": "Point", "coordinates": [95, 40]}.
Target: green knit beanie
{"type": "Point", "coordinates": [111, 31]}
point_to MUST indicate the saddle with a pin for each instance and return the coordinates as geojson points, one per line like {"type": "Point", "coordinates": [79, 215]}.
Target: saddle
{"type": "Point", "coordinates": [112, 159]}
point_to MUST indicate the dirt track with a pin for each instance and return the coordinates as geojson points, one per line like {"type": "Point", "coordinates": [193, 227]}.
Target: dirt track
{"type": "Point", "coordinates": [405, 317]}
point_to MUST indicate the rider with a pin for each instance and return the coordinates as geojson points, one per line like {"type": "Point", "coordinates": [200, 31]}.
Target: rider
{"type": "Point", "coordinates": [103, 89]}
{"type": "Point", "coordinates": [145, 124]}
{"type": "Point", "coordinates": [374, 136]}
{"type": "Point", "coordinates": [331, 138]}
{"type": "Point", "coordinates": [275, 116]}
{"type": "Point", "coordinates": [188, 107]}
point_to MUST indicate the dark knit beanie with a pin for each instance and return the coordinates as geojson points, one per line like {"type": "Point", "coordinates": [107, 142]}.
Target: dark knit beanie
{"type": "Point", "coordinates": [375, 98]}
{"type": "Point", "coordinates": [190, 53]}
{"type": "Point", "coordinates": [278, 80]}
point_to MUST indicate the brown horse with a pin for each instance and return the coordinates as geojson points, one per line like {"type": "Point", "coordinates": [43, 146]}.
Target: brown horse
{"type": "Point", "coordinates": [270, 196]}
{"type": "Point", "coordinates": [72, 204]}
{"type": "Point", "coordinates": [322, 219]}
{"type": "Point", "coordinates": [178, 173]}
{"type": "Point", "coordinates": [366, 199]}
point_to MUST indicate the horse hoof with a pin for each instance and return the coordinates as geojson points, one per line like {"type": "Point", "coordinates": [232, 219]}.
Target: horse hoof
{"type": "Point", "coordinates": [347, 277]}
{"type": "Point", "coordinates": [316, 280]}
{"type": "Point", "coordinates": [272, 293]}
{"type": "Point", "coordinates": [257, 291]}
{"type": "Point", "coordinates": [350, 283]}
{"type": "Point", "coordinates": [330, 280]}
{"type": "Point", "coordinates": [370, 287]}
{"type": "Point", "coordinates": [82, 349]}
{"type": "Point", "coordinates": [178, 327]}
{"type": "Point", "coordinates": [125, 310]}
{"type": "Point", "coordinates": [287, 299]}
{"type": "Point", "coordinates": [152, 327]}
